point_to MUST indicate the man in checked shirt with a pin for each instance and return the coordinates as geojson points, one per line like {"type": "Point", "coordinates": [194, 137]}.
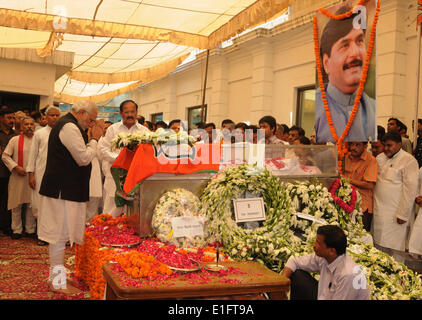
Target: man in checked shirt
{"type": "Point", "coordinates": [340, 277]}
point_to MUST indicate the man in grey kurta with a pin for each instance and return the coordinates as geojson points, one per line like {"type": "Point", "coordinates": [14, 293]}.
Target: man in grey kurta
{"type": "Point", "coordinates": [15, 157]}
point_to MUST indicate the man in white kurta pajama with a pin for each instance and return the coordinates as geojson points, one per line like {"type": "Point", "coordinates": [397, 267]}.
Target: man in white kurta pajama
{"type": "Point", "coordinates": [38, 158]}
{"type": "Point", "coordinates": [15, 157]}
{"type": "Point", "coordinates": [129, 124]}
{"type": "Point", "coordinates": [65, 186]}
{"type": "Point", "coordinates": [394, 196]}
{"type": "Point", "coordinates": [38, 155]}
{"type": "Point", "coordinates": [95, 189]}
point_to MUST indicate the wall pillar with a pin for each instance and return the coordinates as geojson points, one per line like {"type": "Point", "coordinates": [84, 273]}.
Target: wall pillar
{"type": "Point", "coordinates": [262, 79]}
{"type": "Point", "coordinates": [391, 63]}
{"type": "Point", "coordinates": [218, 106]}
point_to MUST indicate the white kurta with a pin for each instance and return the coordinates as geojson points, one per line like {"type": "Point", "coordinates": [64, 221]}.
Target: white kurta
{"type": "Point", "coordinates": [108, 156]}
{"type": "Point", "coordinates": [37, 161]}
{"type": "Point", "coordinates": [54, 212]}
{"type": "Point", "coordinates": [95, 182]}
{"type": "Point", "coordinates": [394, 196]}
{"type": "Point", "coordinates": [415, 240]}
{"type": "Point", "coordinates": [19, 189]}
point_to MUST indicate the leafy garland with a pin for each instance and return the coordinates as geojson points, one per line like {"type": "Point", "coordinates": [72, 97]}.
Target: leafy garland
{"type": "Point", "coordinates": [274, 242]}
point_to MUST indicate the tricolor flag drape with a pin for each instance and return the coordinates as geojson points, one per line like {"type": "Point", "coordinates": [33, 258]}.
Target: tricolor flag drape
{"type": "Point", "coordinates": [131, 168]}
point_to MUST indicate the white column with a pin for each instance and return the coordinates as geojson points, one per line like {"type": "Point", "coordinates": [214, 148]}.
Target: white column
{"type": "Point", "coordinates": [262, 79]}
{"type": "Point", "coordinates": [218, 106]}
{"type": "Point", "coordinates": [391, 63]}
{"type": "Point", "coordinates": [170, 102]}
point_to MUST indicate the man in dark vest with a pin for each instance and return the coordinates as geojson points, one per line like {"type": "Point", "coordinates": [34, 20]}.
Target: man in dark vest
{"type": "Point", "coordinates": [64, 190]}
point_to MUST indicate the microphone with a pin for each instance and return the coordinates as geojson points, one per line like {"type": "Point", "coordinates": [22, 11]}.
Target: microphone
{"type": "Point", "coordinates": [329, 285]}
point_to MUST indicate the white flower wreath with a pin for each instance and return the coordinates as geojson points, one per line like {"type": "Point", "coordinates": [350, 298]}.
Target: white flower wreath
{"type": "Point", "coordinates": [177, 203]}
{"type": "Point", "coordinates": [270, 244]}
{"type": "Point", "coordinates": [274, 242]}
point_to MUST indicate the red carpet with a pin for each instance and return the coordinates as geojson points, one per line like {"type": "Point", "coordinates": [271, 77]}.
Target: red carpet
{"type": "Point", "coordinates": [24, 269]}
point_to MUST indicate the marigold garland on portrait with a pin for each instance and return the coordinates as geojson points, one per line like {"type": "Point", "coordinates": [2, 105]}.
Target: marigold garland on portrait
{"type": "Point", "coordinates": [341, 149]}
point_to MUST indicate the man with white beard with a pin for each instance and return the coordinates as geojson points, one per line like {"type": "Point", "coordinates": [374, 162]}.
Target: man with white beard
{"type": "Point", "coordinates": [65, 186]}
{"type": "Point", "coordinates": [15, 157]}
{"type": "Point", "coordinates": [129, 124]}
{"type": "Point", "coordinates": [38, 159]}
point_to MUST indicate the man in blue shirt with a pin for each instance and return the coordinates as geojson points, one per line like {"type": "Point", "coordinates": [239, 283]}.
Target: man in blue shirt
{"type": "Point", "coordinates": [343, 53]}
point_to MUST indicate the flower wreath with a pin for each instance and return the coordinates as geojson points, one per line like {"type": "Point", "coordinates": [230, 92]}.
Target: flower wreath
{"type": "Point", "coordinates": [348, 207]}
{"type": "Point", "coordinates": [177, 203]}
{"type": "Point", "coordinates": [273, 243]}
{"type": "Point", "coordinates": [270, 244]}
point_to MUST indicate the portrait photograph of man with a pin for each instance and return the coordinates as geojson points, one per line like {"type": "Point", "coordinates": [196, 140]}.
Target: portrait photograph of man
{"type": "Point", "coordinates": [343, 51]}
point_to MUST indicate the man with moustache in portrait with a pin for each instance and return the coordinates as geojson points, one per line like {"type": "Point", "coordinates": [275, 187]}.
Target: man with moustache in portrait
{"type": "Point", "coordinates": [343, 53]}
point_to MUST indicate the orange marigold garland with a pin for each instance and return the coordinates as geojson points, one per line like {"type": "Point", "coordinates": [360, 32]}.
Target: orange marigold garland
{"type": "Point", "coordinates": [91, 256]}
{"type": "Point", "coordinates": [89, 260]}
{"type": "Point", "coordinates": [149, 261]}
{"type": "Point", "coordinates": [341, 148]}
{"type": "Point", "coordinates": [140, 265]}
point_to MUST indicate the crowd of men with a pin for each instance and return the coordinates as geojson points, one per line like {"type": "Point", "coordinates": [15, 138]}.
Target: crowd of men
{"type": "Point", "coordinates": [55, 172]}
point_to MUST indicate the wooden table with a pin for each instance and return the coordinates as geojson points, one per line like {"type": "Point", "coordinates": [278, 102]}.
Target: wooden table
{"type": "Point", "coordinates": [253, 278]}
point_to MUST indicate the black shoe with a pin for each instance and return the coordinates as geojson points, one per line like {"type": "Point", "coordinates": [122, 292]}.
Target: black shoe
{"type": "Point", "coordinates": [16, 236]}
{"type": "Point", "coordinates": [31, 235]}
{"type": "Point", "coordinates": [41, 243]}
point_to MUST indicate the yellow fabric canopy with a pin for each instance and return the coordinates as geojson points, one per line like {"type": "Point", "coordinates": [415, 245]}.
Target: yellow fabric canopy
{"type": "Point", "coordinates": [118, 43]}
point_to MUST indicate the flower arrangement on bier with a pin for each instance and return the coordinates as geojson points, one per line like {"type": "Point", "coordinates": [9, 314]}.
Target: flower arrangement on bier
{"type": "Point", "coordinates": [112, 231]}
{"type": "Point", "coordinates": [178, 203]}
{"type": "Point", "coordinates": [159, 137]}
{"type": "Point", "coordinates": [316, 200]}
{"type": "Point", "coordinates": [140, 265]}
{"type": "Point", "coordinates": [387, 279]}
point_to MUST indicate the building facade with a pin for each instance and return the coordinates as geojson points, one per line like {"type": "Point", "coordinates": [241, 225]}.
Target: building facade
{"type": "Point", "coordinates": [272, 72]}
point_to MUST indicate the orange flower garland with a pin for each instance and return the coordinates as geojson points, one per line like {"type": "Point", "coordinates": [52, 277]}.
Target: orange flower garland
{"type": "Point", "coordinates": [107, 219]}
{"type": "Point", "coordinates": [341, 147]}
{"type": "Point", "coordinates": [89, 260]}
{"type": "Point", "coordinates": [139, 265]}
{"type": "Point", "coordinates": [91, 256]}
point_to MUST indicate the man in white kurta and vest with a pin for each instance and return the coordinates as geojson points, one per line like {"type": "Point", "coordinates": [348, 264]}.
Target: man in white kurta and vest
{"type": "Point", "coordinates": [129, 124]}
{"type": "Point", "coordinates": [38, 158]}
{"type": "Point", "coordinates": [64, 190]}
{"type": "Point", "coordinates": [394, 196]}
{"type": "Point", "coordinates": [15, 157]}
